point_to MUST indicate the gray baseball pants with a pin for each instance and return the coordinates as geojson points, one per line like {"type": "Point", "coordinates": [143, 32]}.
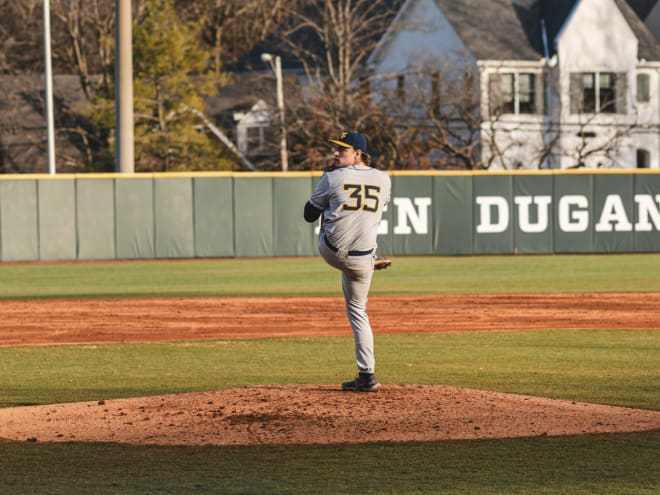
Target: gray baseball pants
{"type": "Point", "coordinates": [357, 272]}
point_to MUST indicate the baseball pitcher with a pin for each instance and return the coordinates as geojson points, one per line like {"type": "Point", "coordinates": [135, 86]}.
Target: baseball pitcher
{"type": "Point", "coordinates": [350, 197]}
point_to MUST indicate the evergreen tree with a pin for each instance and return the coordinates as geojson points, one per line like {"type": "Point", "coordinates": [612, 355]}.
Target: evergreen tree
{"type": "Point", "coordinates": [171, 77]}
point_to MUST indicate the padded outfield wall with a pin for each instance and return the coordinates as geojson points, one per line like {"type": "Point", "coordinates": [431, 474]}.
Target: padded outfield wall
{"type": "Point", "coordinates": [209, 215]}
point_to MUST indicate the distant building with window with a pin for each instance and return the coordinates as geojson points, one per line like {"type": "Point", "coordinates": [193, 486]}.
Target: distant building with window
{"type": "Point", "coordinates": [561, 83]}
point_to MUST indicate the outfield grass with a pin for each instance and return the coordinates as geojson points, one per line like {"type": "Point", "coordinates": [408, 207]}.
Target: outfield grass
{"type": "Point", "coordinates": [610, 367]}
{"type": "Point", "coordinates": [311, 276]}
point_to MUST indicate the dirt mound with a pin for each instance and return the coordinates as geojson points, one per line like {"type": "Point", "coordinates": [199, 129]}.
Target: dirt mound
{"type": "Point", "coordinates": [312, 414]}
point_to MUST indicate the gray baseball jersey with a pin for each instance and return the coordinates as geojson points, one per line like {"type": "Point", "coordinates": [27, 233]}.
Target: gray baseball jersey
{"type": "Point", "coordinates": [352, 199]}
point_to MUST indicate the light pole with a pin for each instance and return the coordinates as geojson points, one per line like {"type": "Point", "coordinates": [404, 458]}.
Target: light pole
{"type": "Point", "coordinates": [50, 119]}
{"type": "Point", "coordinates": [277, 69]}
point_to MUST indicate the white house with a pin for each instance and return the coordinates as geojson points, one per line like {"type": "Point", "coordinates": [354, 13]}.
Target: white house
{"type": "Point", "coordinates": [251, 127]}
{"type": "Point", "coordinates": [561, 83]}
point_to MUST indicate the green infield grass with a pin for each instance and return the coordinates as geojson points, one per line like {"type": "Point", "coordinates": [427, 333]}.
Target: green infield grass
{"type": "Point", "coordinates": [603, 366]}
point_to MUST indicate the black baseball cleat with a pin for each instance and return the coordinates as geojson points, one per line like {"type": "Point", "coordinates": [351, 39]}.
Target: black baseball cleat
{"type": "Point", "coordinates": [364, 382]}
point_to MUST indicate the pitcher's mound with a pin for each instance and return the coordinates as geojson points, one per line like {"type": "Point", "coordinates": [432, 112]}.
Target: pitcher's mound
{"type": "Point", "coordinates": [316, 414]}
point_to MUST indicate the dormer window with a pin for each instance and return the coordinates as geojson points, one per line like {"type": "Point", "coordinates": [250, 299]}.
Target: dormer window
{"type": "Point", "coordinates": [598, 92]}
{"type": "Point", "coordinates": [515, 93]}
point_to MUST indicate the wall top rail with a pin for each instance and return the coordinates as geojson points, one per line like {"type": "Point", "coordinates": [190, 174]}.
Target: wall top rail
{"type": "Point", "coordinates": [318, 173]}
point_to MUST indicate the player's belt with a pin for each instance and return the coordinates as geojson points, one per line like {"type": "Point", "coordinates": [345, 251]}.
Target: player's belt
{"type": "Point", "coordinates": [350, 253]}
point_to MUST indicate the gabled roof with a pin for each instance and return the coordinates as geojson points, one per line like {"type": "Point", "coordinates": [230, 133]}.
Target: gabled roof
{"type": "Point", "coordinates": [648, 47]}
{"type": "Point", "coordinates": [512, 29]}
{"type": "Point", "coordinates": [497, 29]}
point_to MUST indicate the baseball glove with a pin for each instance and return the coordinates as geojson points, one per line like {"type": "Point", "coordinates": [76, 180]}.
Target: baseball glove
{"type": "Point", "coordinates": [381, 263]}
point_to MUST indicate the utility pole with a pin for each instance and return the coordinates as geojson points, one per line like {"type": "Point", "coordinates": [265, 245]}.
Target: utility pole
{"type": "Point", "coordinates": [124, 140]}
{"type": "Point", "coordinates": [277, 69]}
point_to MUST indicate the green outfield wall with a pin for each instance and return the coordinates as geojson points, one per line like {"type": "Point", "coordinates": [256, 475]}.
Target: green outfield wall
{"type": "Point", "coordinates": [208, 215]}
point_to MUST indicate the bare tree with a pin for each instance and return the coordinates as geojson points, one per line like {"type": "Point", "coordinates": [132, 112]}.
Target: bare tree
{"type": "Point", "coordinates": [81, 44]}
{"type": "Point", "coordinates": [21, 38]}
{"type": "Point", "coordinates": [85, 40]}
{"type": "Point", "coordinates": [589, 131]}
{"type": "Point", "coordinates": [438, 115]}
{"type": "Point", "coordinates": [600, 130]}
{"type": "Point", "coordinates": [232, 27]}
{"type": "Point", "coordinates": [331, 40]}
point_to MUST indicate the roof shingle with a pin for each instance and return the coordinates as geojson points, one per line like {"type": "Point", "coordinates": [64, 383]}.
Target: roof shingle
{"type": "Point", "coordinates": [511, 29]}
{"type": "Point", "coordinates": [497, 29]}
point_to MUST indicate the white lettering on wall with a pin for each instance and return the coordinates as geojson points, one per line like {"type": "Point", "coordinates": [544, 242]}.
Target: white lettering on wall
{"type": "Point", "coordinates": [613, 212]}
{"type": "Point", "coordinates": [419, 218]}
{"type": "Point", "coordinates": [570, 218]}
{"type": "Point", "coordinates": [647, 210]}
{"type": "Point", "coordinates": [542, 206]}
{"type": "Point", "coordinates": [573, 214]}
{"type": "Point", "coordinates": [384, 225]}
{"type": "Point", "coordinates": [486, 205]}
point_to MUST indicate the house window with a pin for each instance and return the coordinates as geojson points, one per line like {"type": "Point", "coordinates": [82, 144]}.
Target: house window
{"type": "Point", "coordinates": [515, 93]}
{"type": "Point", "coordinates": [588, 103]}
{"type": "Point", "coordinates": [507, 102]}
{"type": "Point", "coordinates": [255, 139]}
{"type": "Point", "coordinates": [527, 93]}
{"type": "Point", "coordinates": [643, 88]}
{"type": "Point", "coordinates": [594, 92]}
{"type": "Point", "coordinates": [607, 92]}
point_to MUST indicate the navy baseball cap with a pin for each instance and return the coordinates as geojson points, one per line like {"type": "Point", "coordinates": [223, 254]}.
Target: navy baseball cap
{"type": "Point", "coordinates": [351, 139]}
